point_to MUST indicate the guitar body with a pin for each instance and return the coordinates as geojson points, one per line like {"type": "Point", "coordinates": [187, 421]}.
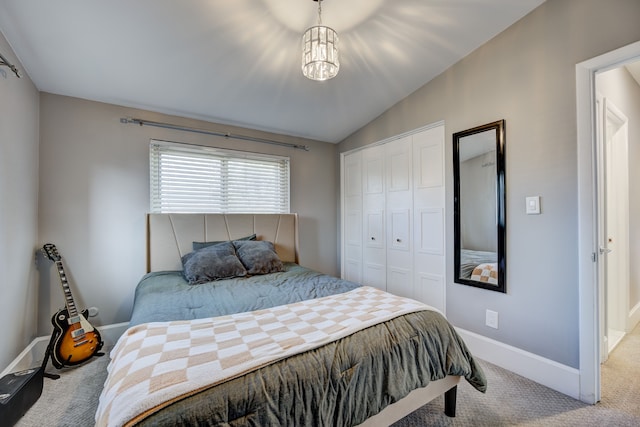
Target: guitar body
{"type": "Point", "coordinates": [67, 350]}
{"type": "Point", "coordinates": [74, 340]}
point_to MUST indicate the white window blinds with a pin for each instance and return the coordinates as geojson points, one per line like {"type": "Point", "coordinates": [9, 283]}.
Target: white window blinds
{"type": "Point", "coordinates": [195, 179]}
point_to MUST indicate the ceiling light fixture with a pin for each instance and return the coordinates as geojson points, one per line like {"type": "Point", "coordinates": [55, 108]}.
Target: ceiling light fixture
{"type": "Point", "coordinates": [320, 51]}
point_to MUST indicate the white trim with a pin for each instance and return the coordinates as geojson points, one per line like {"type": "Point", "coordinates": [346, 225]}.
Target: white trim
{"type": "Point", "coordinates": [554, 375]}
{"type": "Point", "coordinates": [393, 138]}
{"type": "Point", "coordinates": [634, 317]}
{"type": "Point", "coordinates": [33, 354]}
{"type": "Point", "coordinates": [587, 240]}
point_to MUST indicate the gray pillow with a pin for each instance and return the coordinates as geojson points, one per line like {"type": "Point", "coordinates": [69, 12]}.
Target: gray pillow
{"type": "Point", "coordinates": [258, 257]}
{"type": "Point", "coordinates": [200, 245]}
{"type": "Point", "coordinates": [212, 263]}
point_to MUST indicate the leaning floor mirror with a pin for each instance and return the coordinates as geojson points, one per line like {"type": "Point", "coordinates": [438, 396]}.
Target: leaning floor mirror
{"type": "Point", "coordinates": [479, 206]}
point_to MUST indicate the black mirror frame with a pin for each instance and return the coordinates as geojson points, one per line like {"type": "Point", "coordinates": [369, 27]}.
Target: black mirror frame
{"type": "Point", "coordinates": [499, 127]}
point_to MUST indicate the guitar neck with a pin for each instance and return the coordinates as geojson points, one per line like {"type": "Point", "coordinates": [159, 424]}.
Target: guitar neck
{"type": "Point", "coordinates": [70, 304]}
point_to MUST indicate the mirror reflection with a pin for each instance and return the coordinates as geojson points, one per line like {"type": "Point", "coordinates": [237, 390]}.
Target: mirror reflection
{"type": "Point", "coordinates": [479, 206]}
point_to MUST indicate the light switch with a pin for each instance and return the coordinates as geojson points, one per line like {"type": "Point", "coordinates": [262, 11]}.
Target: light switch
{"type": "Point", "coordinates": [533, 205]}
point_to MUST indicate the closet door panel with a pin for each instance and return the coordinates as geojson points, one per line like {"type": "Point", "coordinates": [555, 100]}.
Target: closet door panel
{"type": "Point", "coordinates": [399, 281]}
{"type": "Point", "coordinates": [399, 205]}
{"type": "Point", "coordinates": [374, 254]}
{"type": "Point", "coordinates": [373, 171]}
{"type": "Point", "coordinates": [352, 271]}
{"type": "Point", "coordinates": [374, 235]}
{"type": "Point", "coordinates": [353, 245]}
{"type": "Point", "coordinates": [353, 175]}
{"type": "Point", "coordinates": [429, 217]}
{"type": "Point", "coordinates": [430, 231]}
{"type": "Point", "coordinates": [431, 288]}
{"type": "Point", "coordinates": [398, 158]}
{"type": "Point", "coordinates": [352, 217]}
{"type": "Point", "coordinates": [374, 226]}
{"type": "Point", "coordinates": [374, 275]}
{"type": "Point", "coordinates": [400, 229]}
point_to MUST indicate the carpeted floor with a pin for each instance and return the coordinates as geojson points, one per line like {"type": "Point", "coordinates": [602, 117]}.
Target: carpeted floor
{"type": "Point", "coordinates": [511, 400]}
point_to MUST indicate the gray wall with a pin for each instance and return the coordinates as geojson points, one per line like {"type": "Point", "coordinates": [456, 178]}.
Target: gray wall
{"type": "Point", "coordinates": [525, 75]}
{"type": "Point", "coordinates": [479, 202]}
{"type": "Point", "coordinates": [619, 87]}
{"type": "Point", "coordinates": [18, 208]}
{"type": "Point", "coordinates": [94, 193]}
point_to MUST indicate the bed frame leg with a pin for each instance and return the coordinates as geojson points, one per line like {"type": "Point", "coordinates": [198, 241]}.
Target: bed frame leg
{"type": "Point", "coordinates": [450, 402]}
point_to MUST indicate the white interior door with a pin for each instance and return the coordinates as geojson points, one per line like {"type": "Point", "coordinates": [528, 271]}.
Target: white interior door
{"type": "Point", "coordinates": [614, 234]}
{"type": "Point", "coordinates": [589, 299]}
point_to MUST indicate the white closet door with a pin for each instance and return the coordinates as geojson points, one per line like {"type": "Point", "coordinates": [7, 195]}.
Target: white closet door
{"type": "Point", "coordinates": [352, 218]}
{"type": "Point", "coordinates": [399, 205]}
{"type": "Point", "coordinates": [373, 206]}
{"type": "Point", "coordinates": [429, 217]}
{"type": "Point", "coordinates": [394, 217]}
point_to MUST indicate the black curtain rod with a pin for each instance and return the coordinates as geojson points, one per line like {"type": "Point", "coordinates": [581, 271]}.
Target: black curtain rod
{"type": "Point", "coordinates": [209, 132]}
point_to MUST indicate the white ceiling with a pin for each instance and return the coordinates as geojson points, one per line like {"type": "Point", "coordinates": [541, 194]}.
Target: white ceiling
{"type": "Point", "coordinates": [238, 61]}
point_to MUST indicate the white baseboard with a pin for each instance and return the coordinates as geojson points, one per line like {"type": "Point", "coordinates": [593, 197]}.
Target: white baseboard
{"type": "Point", "coordinates": [544, 371]}
{"type": "Point", "coordinates": [634, 318]}
{"type": "Point", "coordinates": [34, 353]}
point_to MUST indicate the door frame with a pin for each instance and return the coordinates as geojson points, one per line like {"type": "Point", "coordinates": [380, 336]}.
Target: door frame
{"type": "Point", "coordinates": [588, 257]}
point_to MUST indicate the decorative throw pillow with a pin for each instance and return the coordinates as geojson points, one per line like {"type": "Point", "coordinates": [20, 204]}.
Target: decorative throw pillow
{"type": "Point", "coordinates": [200, 245]}
{"type": "Point", "coordinates": [258, 257]}
{"type": "Point", "coordinates": [212, 263]}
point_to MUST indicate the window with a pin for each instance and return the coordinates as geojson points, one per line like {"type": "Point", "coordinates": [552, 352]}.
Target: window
{"type": "Point", "coordinates": [197, 179]}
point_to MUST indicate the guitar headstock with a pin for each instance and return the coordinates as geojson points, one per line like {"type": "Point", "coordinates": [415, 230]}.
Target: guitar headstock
{"type": "Point", "coordinates": [51, 252]}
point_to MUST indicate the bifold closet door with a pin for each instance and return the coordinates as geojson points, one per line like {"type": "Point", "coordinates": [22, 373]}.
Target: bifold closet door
{"type": "Point", "coordinates": [429, 264]}
{"type": "Point", "coordinates": [352, 199]}
{"type": "Point", "coordinates": [399, 206]}
{"type": "Point", "coordinates": [373, 207]}
{"type": "Point", "coordinates": [394, 217]}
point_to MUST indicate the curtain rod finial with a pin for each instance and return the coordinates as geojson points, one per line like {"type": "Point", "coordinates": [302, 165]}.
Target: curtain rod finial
{"type": "Point", "coordinates": [4, 61]}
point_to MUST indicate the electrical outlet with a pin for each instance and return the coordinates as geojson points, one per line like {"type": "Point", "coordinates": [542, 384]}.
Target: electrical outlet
{"type": "Point", "coordinates": [492, 319]}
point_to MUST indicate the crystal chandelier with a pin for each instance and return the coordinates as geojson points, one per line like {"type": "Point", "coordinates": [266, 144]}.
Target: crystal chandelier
{"type": "Point", "coordinates": [320, 51]}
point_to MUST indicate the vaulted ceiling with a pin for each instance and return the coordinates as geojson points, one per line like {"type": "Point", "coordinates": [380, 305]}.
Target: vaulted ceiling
{"type": "Point", "coordinates": [239, 61]}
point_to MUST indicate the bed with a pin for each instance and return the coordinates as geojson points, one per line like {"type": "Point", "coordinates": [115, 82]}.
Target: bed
{"type": "Point", "coordinates": [289, 346]}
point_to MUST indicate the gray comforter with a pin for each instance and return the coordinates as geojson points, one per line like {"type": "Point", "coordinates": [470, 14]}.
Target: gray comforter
{"type": "Point", "coordinates": [166, 295]}
{"type": "Point", "coordinates": [339, 384]}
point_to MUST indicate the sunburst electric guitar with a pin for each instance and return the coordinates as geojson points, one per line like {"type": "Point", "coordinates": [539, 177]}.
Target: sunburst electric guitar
{"type": "Point", "coordinates": [74, 339]}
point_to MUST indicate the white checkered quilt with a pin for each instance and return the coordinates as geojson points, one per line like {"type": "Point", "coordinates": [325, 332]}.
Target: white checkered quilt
{"type": "Point", "coordinates": [487, 273]}
{"type": "Point", "coordinates": [158, 363]}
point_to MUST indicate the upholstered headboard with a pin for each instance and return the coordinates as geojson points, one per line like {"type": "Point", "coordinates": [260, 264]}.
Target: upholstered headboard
{"type": "Point", "coordinates": [170, 236]}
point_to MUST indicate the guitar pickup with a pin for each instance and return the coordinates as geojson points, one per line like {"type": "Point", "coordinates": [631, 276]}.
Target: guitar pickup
{"type": "Point", "coordinates": [77, 333]}
{"type": "Point", "coordinates": [74, 319]}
